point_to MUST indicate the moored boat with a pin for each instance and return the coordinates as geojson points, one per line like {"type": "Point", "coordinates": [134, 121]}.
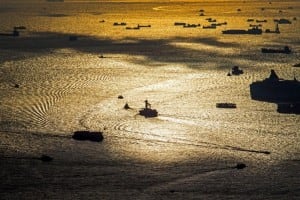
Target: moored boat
{"type": "Point", "coordinates": [252, 31]}
{"type": "Point", "coordinates": [225, 105]}
{"type": "Point", "coordinates": [285, 50]}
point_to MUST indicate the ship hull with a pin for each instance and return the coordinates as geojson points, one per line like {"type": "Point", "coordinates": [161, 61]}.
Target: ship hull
{"type": "Point", "coordinates": [250, 32]}
{"type": "Point", "coordinates": [286, 91]}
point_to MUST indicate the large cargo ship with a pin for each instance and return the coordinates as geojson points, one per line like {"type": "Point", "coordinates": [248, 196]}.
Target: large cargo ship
{"type": "Point", "coordinates": [276, 90]}
{"type": "Point", "coordinates": [252, 31]}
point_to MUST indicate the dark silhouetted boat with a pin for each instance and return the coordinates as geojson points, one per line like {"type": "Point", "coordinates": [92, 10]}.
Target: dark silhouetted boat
{"type": "Point", "coordinates": [191, 25]}
{"type": "Point", "coordinates": [255, 25]}
{"type": "Point", "coordinates": [296, 65]}
{"type": "Point", "coordinates": [126, 106]}
{"type": "Point", "coordinates": [285, 50]}
{"type": "Point", "coordinates": [14, 33]}
{"type": "Point", "coordinates": [236, 71]}
{"type": "Point", "coordinates": [147, 111]}
{"type": "Point", "coordinates": [211, 20]}
{"type": "Point", "coordinates": [276, 90]}
{"type": "Point", "coordinates": [119, 24]}
{"type": "Point", "coordinates": [19, 28]}
{"type": "Point", "coordinates": [225, 105]}
{"type": "Point", "coordinates": [87, 135]}
{"type": "Point", "coordinates": [288, 108]}
{"type": "Point", "coordinates": [252, 31]}
{"type": "Point", "coordinates": [133, 28]}
{"type": "Point", "coordinates": [282, 21]}
{"type": "Point", "coordinates": [261, 21]}
{"type": "Point", "coordinates": [210, 27]}
{"type": "Point", "coordinates": [275, 31]}
{"type": "Point", "coordinates": [144, 26]}
{"type": "Point", "coordinates": [179, 24]}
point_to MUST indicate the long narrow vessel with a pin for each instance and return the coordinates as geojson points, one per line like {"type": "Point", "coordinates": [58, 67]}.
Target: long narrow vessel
{"type": "Point", "coordinates": [285, 50]}
{"type": "Point", "coordinates": [252, 31]}
{"type": "Point", "coordinates": [225, 105]}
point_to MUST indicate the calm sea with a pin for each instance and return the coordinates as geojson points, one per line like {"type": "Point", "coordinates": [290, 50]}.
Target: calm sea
{"type": "Point", "coordinates": [51, 87]}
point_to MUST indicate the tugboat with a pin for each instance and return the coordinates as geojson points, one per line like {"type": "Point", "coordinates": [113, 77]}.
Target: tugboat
{"type": "Point", "coordinates": [147, 111]}
{"type": "Point", "coordinates": [236, 71]}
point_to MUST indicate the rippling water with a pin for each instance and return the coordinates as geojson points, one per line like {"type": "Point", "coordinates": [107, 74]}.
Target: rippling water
{"type": "Point", "coordinates": [189, 149]}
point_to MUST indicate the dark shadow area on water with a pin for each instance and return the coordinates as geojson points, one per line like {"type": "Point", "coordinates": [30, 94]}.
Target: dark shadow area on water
{"type": "Point", "coordinates": [155, 51]}
{"type": "Point", "coordinates": [100, 174]}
